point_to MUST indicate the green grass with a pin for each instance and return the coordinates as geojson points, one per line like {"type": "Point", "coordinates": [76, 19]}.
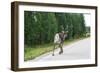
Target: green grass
{"type": "Point", "coordinates": [33, 52]}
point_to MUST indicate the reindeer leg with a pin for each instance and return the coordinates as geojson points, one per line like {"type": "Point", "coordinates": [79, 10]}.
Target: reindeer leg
{"type": "Point", "coordinates": [53, 50]}
{"type": "Point", "coordinates": [61, 49]}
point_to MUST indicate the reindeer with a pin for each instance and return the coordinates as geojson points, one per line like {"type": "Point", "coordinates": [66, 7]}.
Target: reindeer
{"type": "Point", "coordinates": [58, 41]}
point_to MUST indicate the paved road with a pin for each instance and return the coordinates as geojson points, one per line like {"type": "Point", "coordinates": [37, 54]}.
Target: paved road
{"type": "Point", "coordinates": [77, 50]}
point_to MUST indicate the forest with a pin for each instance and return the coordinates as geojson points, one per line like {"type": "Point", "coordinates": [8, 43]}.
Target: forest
{"type": "Point", "coordinates": [40, 27]}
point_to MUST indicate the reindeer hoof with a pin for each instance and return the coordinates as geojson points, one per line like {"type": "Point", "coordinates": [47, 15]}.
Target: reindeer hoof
{"type": "Point", "coordinates": [52, 54]}
{"type": "Point", "coordinates": [60, 52]}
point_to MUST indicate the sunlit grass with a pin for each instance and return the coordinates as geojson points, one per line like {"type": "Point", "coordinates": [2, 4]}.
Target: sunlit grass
{"type": "Point", "coordinates": [31, 53]}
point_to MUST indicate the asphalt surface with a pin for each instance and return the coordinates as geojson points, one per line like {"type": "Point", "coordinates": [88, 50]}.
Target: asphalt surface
{"type": "Point", "coordinates": [75, 51]}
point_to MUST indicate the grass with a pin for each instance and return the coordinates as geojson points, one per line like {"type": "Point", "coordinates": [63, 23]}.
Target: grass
{"type": "Point", "coordinates": [33, 52]}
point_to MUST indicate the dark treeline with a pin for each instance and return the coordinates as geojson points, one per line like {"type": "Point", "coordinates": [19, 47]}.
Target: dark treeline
{"type": "Point", "coordinates": [40, 27]}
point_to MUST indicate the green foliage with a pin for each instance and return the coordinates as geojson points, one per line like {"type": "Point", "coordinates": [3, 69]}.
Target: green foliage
{"type": "Point", "coordinates": [40, 27]}
{"type": "Point", "coordinates": [87, 29]}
